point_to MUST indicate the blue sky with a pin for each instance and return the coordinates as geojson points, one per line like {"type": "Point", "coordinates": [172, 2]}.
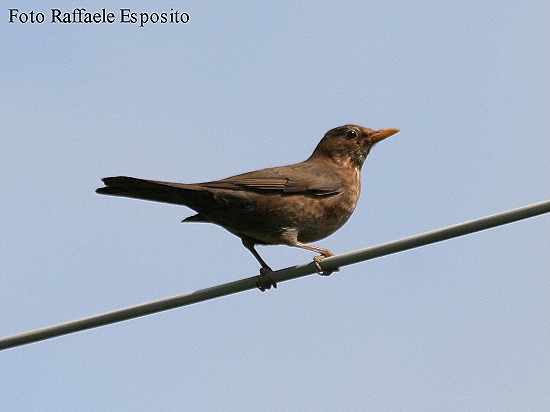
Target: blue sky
{"type": "Point", "coordinates": [458, 325]}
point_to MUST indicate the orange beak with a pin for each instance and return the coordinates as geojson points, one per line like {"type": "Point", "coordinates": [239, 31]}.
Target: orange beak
{"type": "Point", "coordinates": [382, 134]}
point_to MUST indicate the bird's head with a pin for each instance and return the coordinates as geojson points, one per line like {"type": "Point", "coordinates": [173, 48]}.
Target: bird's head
{"type": "Point", "coordinates": [349, 145]}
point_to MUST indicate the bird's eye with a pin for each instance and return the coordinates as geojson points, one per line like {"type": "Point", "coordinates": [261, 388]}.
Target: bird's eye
{"type": "Point", "coordinates": [351, 134]}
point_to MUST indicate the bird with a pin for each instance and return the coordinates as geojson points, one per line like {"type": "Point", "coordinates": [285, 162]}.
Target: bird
{"type": "Point", "coordinates": [291, 205]}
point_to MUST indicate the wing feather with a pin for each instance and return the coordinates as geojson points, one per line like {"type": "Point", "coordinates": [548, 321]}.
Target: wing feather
{"type": "Point", "coordinates": [302, 178]}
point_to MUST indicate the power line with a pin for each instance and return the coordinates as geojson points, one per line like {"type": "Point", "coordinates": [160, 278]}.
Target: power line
{"type": "Point", "coordinates": [278, 276]}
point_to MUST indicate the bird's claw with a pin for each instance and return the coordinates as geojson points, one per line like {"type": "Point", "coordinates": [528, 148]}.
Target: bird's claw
{"type": "Point", "coordinates": [264, 281]}
{"type": "Point", "coordinates": [320, 270]}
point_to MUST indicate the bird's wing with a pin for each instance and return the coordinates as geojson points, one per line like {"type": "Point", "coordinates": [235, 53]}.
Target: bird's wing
{"type": "Point", "coordinates": [301, 178]}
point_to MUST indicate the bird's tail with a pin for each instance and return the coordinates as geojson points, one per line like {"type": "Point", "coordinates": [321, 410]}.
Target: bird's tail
{"type": "Point", "coordinates": [167, 192]}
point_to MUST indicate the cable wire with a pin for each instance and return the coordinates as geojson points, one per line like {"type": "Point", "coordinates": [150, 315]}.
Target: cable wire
{"type": "Point", "coordinates": [327, 264]}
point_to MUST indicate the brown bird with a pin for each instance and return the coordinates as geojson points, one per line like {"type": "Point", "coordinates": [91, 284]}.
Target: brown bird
{"type": "Point", "coordinates": [290, 205]}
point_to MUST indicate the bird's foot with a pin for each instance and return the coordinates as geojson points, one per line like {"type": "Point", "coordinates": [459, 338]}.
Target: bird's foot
{"type": "Point", "coordinates": [264, 281]}
{"type": "Point", "coordinates": [320, 270]}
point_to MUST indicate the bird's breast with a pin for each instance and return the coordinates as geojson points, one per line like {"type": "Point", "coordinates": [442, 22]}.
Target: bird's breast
{"type": "Point", "coordinates": [332, 212]}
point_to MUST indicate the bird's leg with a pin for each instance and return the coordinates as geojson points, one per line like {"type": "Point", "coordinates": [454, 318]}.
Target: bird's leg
{"type": "Point", "coordinates": [317, 259]}
{"type": "Point", "coordinates": [264, 281]}
{"type": "Point", "coordinates": [249, 244]}
{"type": "Point", "coordinates": [290, 236]}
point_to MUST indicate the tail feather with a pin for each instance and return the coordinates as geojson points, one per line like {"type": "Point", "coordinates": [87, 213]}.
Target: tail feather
{"type": "Point", "coordinates": [167, 192]}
